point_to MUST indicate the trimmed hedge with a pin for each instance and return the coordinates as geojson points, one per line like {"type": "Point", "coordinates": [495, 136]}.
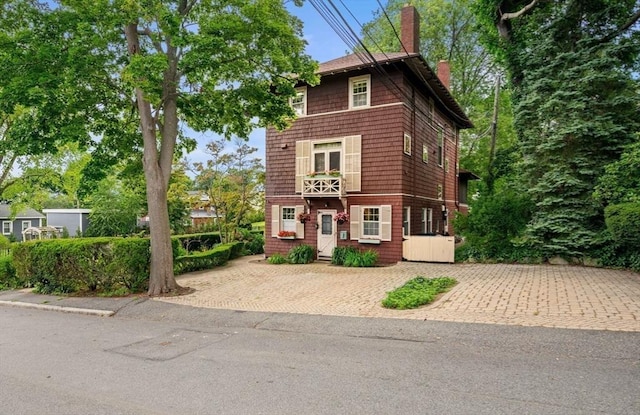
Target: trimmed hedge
{"type": "Point", "coordinates": [8, 279]}
{"type": "Point", "coordinates": [104, 265]}
{"type": "Point", "coordinates": [198, 241]}
{"type": "Point", "coordinates": [207, 259]}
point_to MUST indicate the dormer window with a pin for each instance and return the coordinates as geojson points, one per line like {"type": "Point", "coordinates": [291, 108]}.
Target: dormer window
{"type": "Point", "coordinates": [299, 102]}
{"type": "Point", "coordinates": [360, 91]}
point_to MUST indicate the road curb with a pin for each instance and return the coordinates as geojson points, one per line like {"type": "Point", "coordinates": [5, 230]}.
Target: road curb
{"type": "Point", "coordinates": [62, 309]}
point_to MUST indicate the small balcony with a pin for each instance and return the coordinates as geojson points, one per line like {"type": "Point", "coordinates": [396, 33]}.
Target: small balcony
{"type": "Point", "coordinates": [323, 185]}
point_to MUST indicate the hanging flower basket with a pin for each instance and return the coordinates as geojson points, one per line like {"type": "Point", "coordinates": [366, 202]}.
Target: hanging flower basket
{"type": "Point", "coordinates": [304, 217]}
{"type": "Point", "coordinates": [341, 217]}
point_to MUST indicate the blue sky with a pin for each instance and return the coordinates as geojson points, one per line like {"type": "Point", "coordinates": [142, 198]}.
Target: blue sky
{"type": "Point", "coordinates": [322, 45]}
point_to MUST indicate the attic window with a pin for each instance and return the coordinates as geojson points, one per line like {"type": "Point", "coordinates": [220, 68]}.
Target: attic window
{"type": "Point", "coordinates": [360, 91]}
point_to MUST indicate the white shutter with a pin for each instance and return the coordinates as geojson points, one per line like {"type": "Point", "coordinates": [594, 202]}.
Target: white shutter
{"type": "Point", "coordinates": [352, 165]}
{"type": "Point", "coordinates": [385, 222]}
{"type": "Point", "coordinates": [354, 221]}
{"type": "Point", "coordinates": [275, 220]}
{"type": "Point", "coordinates": [303, 158]}
{"type": "Point", "coordinates": [299, 225]}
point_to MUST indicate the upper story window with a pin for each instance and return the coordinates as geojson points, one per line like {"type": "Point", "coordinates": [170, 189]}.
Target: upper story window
{"type": "Point", "coordinates": [407, 144]}
{"type": "Point", "coordinates": [326, 156]}
{"type": "Point", "coordinates": [360, 91]}
{"type": "Point", "coordinates": [299, 102]}
{"type": "Point", "coordinates": [440, 146]}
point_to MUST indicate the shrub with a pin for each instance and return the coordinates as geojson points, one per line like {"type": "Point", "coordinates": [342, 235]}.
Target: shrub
{"type": "Point", "coordinates": [417, 292]}
{"type": "Point", "coordinates": [199, 241]}
{"type": "Point", "coordinates": [623, 223]}
{"type": "Point", "coordinates": [277, 259]}
{"type": "Point", "coordinates": [340, 252]}
{"type": "Point", "coordinates": [90, 264]}
{"type": "Point", "coordinates": [356, 258]}
{"type": "Point", "coordinates": [301, 254]}
{"type": "Point", "coordinates": [253, 241]}
{"type": "Point", "coordinates": [198, 261]}
{"type": "Point", "coordinates": [8, 278]}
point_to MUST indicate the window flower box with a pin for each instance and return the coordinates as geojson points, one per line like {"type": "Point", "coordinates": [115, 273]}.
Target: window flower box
{"type": "Point", "coordinates": [286, 235]}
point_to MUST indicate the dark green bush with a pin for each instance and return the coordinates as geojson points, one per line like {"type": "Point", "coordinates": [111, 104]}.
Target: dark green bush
{"type": "Point", "coordinates": [357, 258]}
{"type": "Point", "coordinates": [253, 241]}
{"type": "Point", "coordinates": [301, 254]}
{"type": "Point", "coordinates": [199, 241]}
{"type": "Point", "coordinates": [623, 223]}
{"type": "Point", "coordinates": [102, 265]}
{"type": "Point", "coordinates": [8, 278]}
{"type": "Point", "coordinates": [198, 261]}
{"type": "Point", "coordinates": [339, 254]}
{"type": "Point", "coordinates": [417, 292]}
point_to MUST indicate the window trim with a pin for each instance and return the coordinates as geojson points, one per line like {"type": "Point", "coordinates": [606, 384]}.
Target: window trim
{"type": "Point", "coordinates": [300, 91]}
{"type": "Point", "coordinates": [27, 222]}
{"type": "Point", "coordinates": [352, 81]}
{"type": "Point", "coordinates": [440, 146]}
{"type": "Point", "coordinates": [406, 144]}
{"type": "Point", "coordinates": [425, 153]}
{"type": "Point", "coordinates": [327, 152]}
{"type": "Point", "coordinates": [362, 222]}
{"type": "Point", "coordinates": [291, 222]}
{"type": "Point", "coordinates": [7, 222]}
{"type": "Point", "coordinates": [406, 214]}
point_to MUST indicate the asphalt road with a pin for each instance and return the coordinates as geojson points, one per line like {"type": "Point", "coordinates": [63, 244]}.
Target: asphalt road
{"type": "Point", "coordinates": [154, 358]}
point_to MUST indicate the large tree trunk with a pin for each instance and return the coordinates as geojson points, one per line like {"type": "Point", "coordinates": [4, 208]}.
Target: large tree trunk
{"type": "Point", "coordinates": [157, 171]}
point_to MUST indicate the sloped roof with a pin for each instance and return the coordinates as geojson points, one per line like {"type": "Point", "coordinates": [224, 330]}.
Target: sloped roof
{"type": "Point", "coordinates": [26, 213]}
{"type": "Point", "coordinates": [414, 62]}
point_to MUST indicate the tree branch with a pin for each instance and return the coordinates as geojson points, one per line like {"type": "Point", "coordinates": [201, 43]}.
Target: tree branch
{"type": "Point", "coordinates": [632, 20]}
{"type": "Point", "coordinates": [515, 15]}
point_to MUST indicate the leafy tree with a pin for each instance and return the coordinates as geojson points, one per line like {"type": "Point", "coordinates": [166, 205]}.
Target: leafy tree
{"type": "Point", "coordinates": [620, 182]}
{"type": "Point", "coordinates": [575, 105]}
{"type": "Point", "coordinates": [234, 183]}
{"type": "Point", "coordinates": [114, 209]}
{"type": "Point", "coordinates": [224, 66]}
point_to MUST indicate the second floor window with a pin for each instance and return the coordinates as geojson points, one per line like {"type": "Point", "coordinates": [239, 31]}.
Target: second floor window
{"type": "Point", "coordinates": [299, 102]}
{"type": "Point", "coordinates": [360, 91]}
{"type": "Point", "coordinates": [440, 146]}
{"type": "Point", "coordinates": [326, 156]}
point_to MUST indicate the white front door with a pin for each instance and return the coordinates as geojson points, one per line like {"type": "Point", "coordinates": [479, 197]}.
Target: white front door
{"type": "Point", "coordinates": [327, 236]}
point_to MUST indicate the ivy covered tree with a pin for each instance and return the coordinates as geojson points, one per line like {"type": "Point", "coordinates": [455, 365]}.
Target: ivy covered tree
{"type": "Point", "coordinates": [571, 64]}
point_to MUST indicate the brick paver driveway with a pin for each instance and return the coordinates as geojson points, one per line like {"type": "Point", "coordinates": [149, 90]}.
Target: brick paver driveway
{"type": "Point", "coordinates": [528, 295]}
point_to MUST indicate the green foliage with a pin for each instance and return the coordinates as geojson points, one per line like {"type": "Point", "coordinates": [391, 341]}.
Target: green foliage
{"type": "Point", "coordinates": [494, 225]}
{"type": "Point", "coordinates": [114, 209]}
{"type": "Point", "coordinates": [101, 265]}
{"type": "Point", "coordinates": [623, 223]}
{"type": "Point", "coordinates": [277, 259]}
{"type": "Point", "coordinates": [575, 108]}
{"type": "Point", "coordinates": [417, 292]}
{"type": "Point", "coordinates": [340, 253]}
{"type": "Point", "coordinates": [301, 254]}
{"type": "Point", "coordinates": [198, 261]}
{"type": "Point", "coordinates": [621, 180]}
{"type": "Point", "coordinates": [361, 259]}
{"type": "Point", "coordinates": [253, 241]}
{"type": "Point", "coordinates": [198, 241]}
{"type": "Point", "coordinates": [8, 279]}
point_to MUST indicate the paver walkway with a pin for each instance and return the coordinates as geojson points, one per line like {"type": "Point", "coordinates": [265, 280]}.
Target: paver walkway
{"type": "Point", "coordinates": [527, 295]}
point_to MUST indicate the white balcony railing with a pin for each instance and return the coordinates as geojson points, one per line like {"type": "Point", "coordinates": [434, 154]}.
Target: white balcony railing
{"type": "Point", "coordinates": [323, 186]}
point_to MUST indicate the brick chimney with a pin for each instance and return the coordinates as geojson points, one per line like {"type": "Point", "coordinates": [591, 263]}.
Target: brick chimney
{"type": "Point", "coordinates": [410, 29]}
{"type": "Point", "coordinates": [444, 73]}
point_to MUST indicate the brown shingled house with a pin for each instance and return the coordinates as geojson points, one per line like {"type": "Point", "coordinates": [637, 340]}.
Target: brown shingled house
{"type": "Point", "coordinates": [376, 140]}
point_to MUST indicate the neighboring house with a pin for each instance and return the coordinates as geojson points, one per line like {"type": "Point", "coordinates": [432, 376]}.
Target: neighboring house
{"type": "Point", "coordinates": [376, 140]}
{"type": "Point", "coordinates": [201, 212]}
{"type": "Point", "coordinates": [76, 221]}
{"type": "Point", "coordinates": [12, 227]}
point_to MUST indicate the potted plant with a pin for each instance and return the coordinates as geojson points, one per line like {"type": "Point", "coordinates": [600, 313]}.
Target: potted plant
{"type": "Point", "coordinates": [341, 217]}
{"type": "Point", "coordinates": [304, 217]}
{"type": "Point", "coordinates": [333, 173]}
